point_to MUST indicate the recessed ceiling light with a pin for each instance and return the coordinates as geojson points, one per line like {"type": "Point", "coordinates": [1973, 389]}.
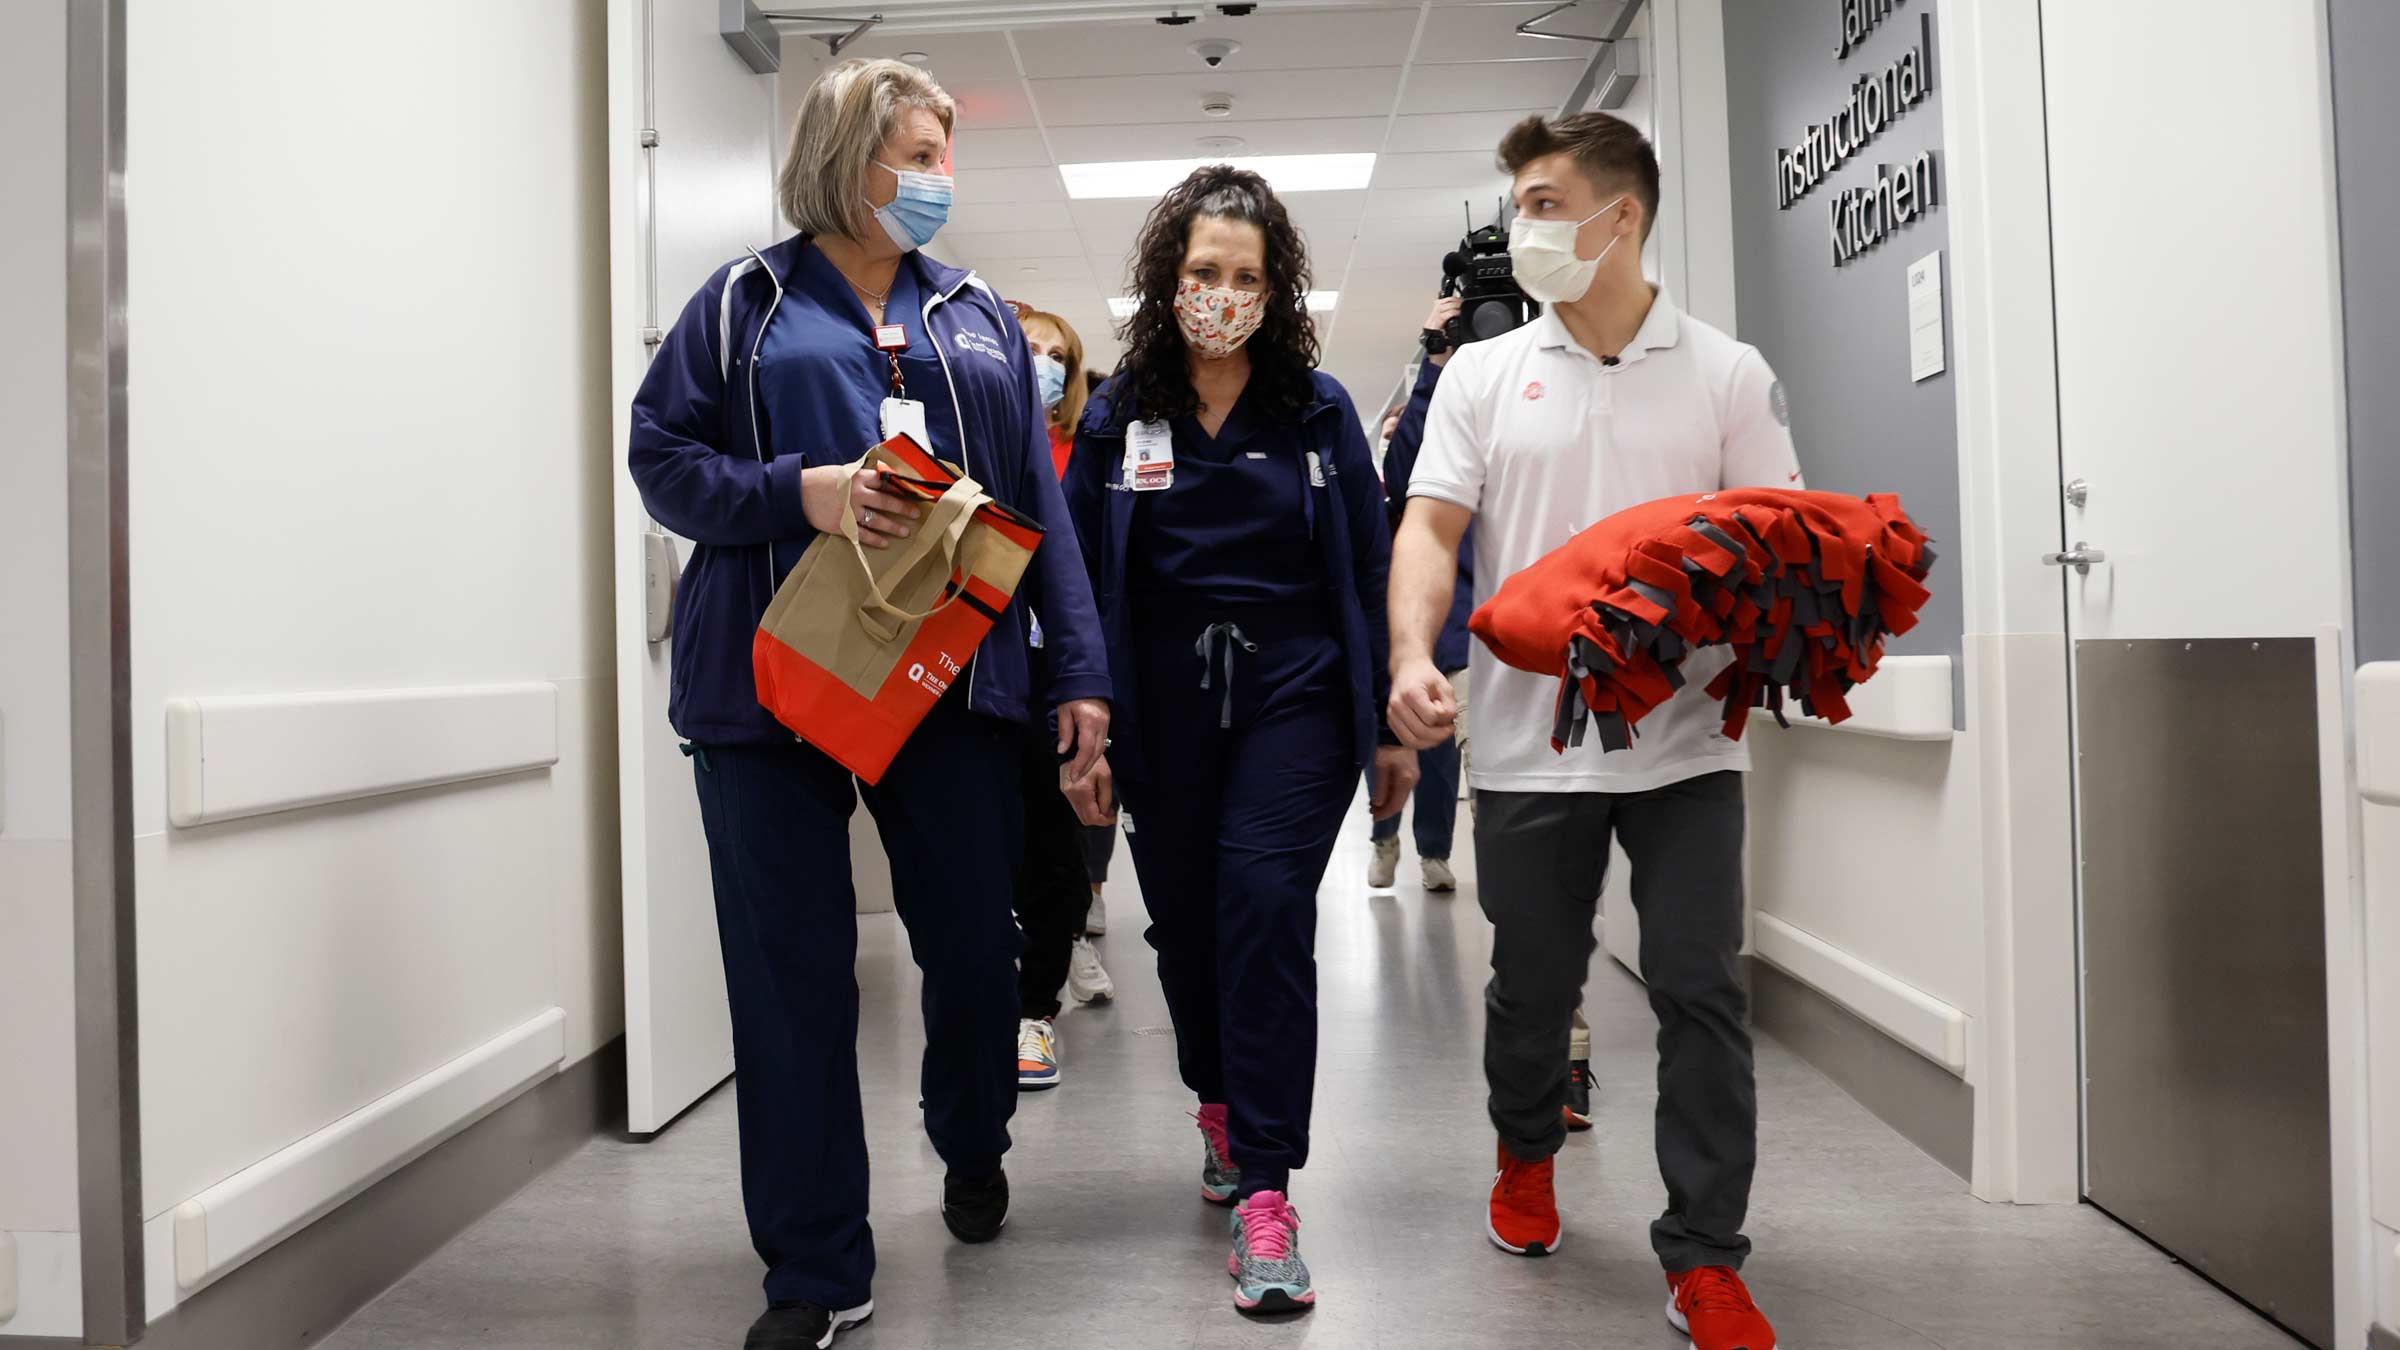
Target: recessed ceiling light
{"type": "Point", "coordinates": [915, 58]}
{"type": "Point", "coordinates": [1223, 145]}
{"type": "Point", "coordinates": [1151, 177]}
{"type": "Point", "coordinates": [1319, 302]}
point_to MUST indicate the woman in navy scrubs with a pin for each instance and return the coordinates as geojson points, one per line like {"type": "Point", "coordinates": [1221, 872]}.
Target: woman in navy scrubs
{"type": "Point", "coordinates": [780, 374]}
{"type": "Point", "coordinates": [1228, 507]}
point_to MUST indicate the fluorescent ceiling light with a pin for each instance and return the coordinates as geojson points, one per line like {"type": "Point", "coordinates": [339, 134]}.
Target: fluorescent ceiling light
{"type": "Point", "coordinates": [1121, 307]}
{"type": "Point", "coordinates": [1152, 177]}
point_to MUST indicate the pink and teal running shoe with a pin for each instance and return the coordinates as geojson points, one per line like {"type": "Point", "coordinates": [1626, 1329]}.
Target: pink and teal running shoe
{"type": "Point", "coordinates": [1219, 1178]}
{"type": "Point", "coordinates": [1268, 1274]}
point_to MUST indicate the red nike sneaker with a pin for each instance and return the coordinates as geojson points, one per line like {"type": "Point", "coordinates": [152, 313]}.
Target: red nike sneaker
{"type": "Point", "coordinates": [1524, 1219]}
{"type": "Point", "coordinates": [1712, 1306]}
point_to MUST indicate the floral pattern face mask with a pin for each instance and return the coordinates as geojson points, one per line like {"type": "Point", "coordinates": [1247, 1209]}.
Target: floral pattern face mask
{"type": "Point", "coordinates": [1217, 320]}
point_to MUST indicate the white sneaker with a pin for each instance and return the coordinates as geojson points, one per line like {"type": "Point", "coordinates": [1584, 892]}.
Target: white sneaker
{"type": "Point", "coordinates": [1438, 876]}
{"type": "Point", "coordinates": [1086, 981]}
{"type": "Point", "coordinates": [1383, 865]}
{"type": "Point", "coordinates": [1095, 920]}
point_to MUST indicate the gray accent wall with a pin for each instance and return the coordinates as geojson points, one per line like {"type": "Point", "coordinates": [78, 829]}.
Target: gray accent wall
{"type": "Point", "coordinates": [2366, 135]}
{"type": "Point", "coordinates": [1838, 337]}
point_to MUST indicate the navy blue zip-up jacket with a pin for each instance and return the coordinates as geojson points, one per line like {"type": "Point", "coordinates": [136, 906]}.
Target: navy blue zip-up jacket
{"type": "Point", "coordinates": [1450, 649]}
{"type": "Point", "coordinates": [707, 471]}
{"type": "Point", "coordinates": [1357, 544]}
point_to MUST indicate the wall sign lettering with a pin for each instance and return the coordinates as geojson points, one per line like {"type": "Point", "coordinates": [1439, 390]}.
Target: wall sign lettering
{"type": "Point", "coordinates": [1859, 18]}
{"type": "Point", "coordinates": [1875, 102]}
{"type": "Point", "coordinates": [1863, 217]}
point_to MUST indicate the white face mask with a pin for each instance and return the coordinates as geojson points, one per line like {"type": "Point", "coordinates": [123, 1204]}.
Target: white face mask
{"type": "Point", "coordinates": [1543, 254]}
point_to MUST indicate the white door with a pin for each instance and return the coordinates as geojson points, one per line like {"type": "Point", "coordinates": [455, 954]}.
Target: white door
{"type": "Point", "coordinates": [2200, 449]}
{"type": "Point", "coordinates": [679, 209]}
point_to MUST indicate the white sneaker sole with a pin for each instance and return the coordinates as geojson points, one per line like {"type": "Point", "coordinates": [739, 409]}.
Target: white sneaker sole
{"type": "Point", "coordinates": [845, 1319]}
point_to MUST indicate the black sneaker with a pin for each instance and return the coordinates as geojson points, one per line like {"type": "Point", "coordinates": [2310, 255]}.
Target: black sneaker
{"type": "Point", "coordinates": [802, 1326]}
{"type": "Point", "coordinates": [1578, 1109]}
{"type": "Point", "coordinates": [975, 1209]}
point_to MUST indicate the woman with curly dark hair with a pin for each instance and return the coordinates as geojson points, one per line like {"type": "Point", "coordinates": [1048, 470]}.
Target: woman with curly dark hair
{"type": "Point", "coordinates": [1228, 509]}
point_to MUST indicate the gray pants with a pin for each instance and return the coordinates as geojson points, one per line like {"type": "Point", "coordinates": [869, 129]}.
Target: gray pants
{"type": "Point", "coordinates": [1541, 858]}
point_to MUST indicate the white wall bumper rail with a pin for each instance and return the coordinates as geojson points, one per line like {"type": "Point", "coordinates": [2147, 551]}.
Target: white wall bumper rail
{"type": "Point", "coordinates": [1900, 1010]}
{"type": "Point", "coordinates": [1908, 700]}
{"type": "Point", "coordinates": [264, 1203]}
{"type": "Point", "coordinates": [229, 757]}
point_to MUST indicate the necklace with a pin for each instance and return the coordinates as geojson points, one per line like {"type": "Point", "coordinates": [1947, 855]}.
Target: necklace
{"type": "Point", "coordinates": [878, 297]}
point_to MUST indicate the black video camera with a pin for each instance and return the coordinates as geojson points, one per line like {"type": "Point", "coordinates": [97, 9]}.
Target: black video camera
{"type": "Point", "coordinates": [1480, 272]}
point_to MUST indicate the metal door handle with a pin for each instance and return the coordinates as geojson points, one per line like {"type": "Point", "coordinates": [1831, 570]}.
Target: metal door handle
{"type": "Point", "coordinates": [2081, 557]}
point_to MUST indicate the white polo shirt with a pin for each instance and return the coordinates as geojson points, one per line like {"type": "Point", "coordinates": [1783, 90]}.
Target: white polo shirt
{"type": "Point", "coordinates": [1540, 439]}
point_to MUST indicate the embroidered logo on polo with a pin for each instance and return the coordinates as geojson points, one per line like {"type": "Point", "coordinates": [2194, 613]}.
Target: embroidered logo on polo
{"type": "Point", "coordinates": [1534, 391]}
{"type": "Point", "coordinates": [981, 344]}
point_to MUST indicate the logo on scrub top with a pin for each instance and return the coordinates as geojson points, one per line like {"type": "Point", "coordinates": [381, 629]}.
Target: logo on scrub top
{"type": "Point", "coordinates": [1534, 391]}
{"type": "Point", "coordinates": [981, 344]}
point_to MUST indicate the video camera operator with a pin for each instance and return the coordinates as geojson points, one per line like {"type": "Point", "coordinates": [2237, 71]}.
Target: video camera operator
{"type": "Point", "coordinates": [1435, 806]}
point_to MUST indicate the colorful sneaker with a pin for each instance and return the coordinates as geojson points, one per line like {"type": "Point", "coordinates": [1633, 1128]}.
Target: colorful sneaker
{"type": "Point", "coordinates": [1524, 1217]}
{"type": "Point", "coordinates": [1095, 919]}
{"type": "Point", "coordinates": [1037, 1054]}
{"type": "Point", "coordinates": [1087, 982]}
{"type": "Point", "coordinates": [1219, 1178]}
{"type": "Point", "coordinates": [1438, 876]}
{"type": "Point", "coordinates": [1383, 865]}
{"type": "Point", "coordinates": [1578, 1109]}
{"type": "Point", "coordinates": [1268, 1274]}
{"type": "Point", "coordinates": [1712, 1306]}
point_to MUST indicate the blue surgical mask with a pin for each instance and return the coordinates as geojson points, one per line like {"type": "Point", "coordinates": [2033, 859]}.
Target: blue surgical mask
{"type": "Point", "coordinates": [1054, 379]}
{"type": "Point", "coordinates": [920, 210]}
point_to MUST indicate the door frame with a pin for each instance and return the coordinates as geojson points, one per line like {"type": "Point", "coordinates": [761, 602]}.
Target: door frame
{"type": "Point", "coordinates": [2029, 1138]}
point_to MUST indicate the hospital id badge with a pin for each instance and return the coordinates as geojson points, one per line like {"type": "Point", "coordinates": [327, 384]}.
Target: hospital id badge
{"type": "Point", "coordinates": [1149, 457]}
{"type": "Point", "coordinates": [906, 417]}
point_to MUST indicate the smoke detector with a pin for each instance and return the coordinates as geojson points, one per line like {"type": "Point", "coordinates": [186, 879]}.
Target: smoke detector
{"type": "Point", "coordinates": [1213, 52]}
{"type": "Point", "coordinates": [916, 58]}
{"type": "Point", "coordinates": [1216, 105]}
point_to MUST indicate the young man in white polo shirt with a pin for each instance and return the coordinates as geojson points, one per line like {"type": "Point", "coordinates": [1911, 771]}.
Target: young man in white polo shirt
{"type": "Point", "coordinates": [1610, 399]}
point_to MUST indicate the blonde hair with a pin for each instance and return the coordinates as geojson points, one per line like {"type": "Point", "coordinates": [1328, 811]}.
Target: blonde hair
{"type": "Point", "coordinates": [1070, 408]}
{"type": "Point", "coordinates": [851, 110]}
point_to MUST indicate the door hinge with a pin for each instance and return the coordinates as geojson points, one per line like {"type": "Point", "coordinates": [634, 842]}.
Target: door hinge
{"type": "Point", "coordinates": [652, 336]}
{"type": "Point", "coordinates": [649, 138]}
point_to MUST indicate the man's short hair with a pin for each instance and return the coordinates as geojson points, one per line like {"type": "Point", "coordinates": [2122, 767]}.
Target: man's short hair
{"type": "Point", "coordinates": [1608, 150]}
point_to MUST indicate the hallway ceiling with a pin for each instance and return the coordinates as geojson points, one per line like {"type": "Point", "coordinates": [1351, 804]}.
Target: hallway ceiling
{"type": "Point", "coordinates": [1427, 88]}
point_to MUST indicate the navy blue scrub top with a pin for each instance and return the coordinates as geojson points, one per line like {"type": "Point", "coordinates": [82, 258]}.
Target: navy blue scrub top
{"type": "Point", "coordinates": [823, 382]}
{"type": "Point", "coordinates": [1234, 529]}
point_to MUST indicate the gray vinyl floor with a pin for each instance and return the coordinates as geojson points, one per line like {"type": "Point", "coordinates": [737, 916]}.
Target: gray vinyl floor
{"type": "Point", "coordinates": [1864, 1243]}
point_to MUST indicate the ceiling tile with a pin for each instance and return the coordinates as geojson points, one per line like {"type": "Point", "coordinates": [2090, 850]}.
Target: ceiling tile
{"type": "Point", "coordinates": [988, 147]}
{"type": "Point", "coordinates": [1538, 86]}
{"type": "Point", "coordinates": [1419, 133]}
{"type": "Point", "coordinates": [1006, 272]}
{"type": "Point", "coordinates": [1151, 100]}
{"type": "Point", "coordinates": [1489, 33]}
{"type": "Point", "coordinates": [1020, 243]}
{"type": "Point", "coordinates": [1466, 170]}
{"type": "Point", "coordinates": [1315, 40]}
{"type": "Point", "coordinates": [1181, 140]}
{"type": "Point", "coordinates": [990, 186]}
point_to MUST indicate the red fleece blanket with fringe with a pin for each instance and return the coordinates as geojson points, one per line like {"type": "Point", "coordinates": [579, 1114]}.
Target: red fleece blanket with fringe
{"type": "Point", "coordinates": [1804, 586]}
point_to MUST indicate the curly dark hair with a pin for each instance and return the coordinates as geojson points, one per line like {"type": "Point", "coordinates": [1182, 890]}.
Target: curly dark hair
{"type": "Point", "coordinates": [1154, 379]}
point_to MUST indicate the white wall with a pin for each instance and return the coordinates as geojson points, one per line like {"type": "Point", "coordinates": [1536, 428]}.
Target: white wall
{"type": "Point", "coordinates": [37, 1053]}
{"type": "Point", "coordinates": [370, 451]}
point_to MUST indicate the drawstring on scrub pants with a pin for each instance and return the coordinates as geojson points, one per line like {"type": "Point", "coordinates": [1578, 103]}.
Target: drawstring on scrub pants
{"type": "Point", "coordinates": [1215, 647]}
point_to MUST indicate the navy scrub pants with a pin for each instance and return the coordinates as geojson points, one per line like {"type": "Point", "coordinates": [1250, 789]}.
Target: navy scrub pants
{"type": "Point", "coordinates": [1231, 838]}
{"type": "Point", "coordinates": [777, 819]}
